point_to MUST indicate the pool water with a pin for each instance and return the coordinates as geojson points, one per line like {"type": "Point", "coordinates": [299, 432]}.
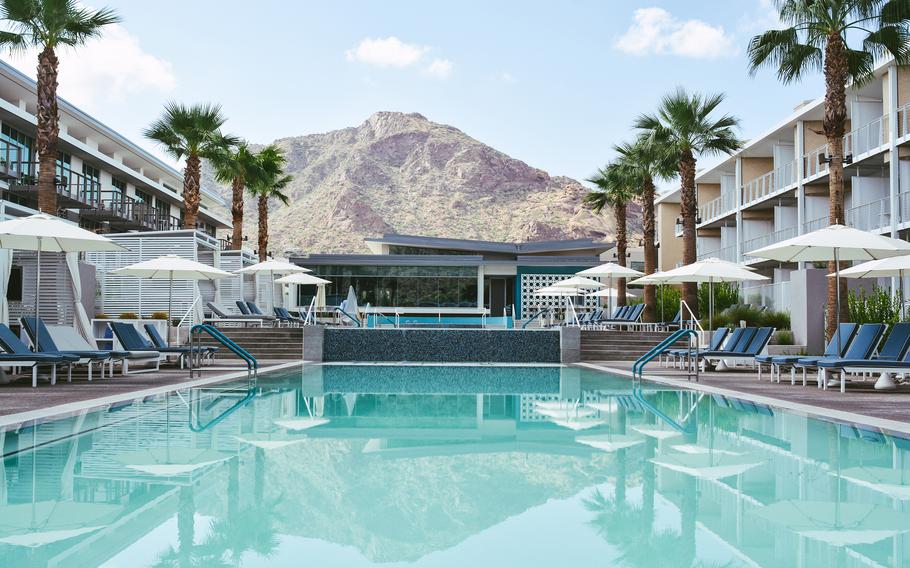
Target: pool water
{"type": "Point", "coordinates": [450, 466]}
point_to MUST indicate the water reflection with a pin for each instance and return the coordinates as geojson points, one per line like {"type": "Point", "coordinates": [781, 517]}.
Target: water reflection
{"type": "Point", "coordinates": [449, 466]}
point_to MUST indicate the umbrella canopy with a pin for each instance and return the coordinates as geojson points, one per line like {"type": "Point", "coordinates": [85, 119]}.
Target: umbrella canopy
{"type": "Point", "coordinates": [894, 266]}
{"type": "Point", "coordinates": [610, 269]}
{"type": "Point", "coordinates": [708, 466]}
{"type": "Point", "coordinates": [553, 291]}
{"type": "Point", "coordinates": [608, 293]}
{"type": "Point", "coordinates": [656, 433]}
{"type": "Point", "coordinates": [46, 522]}
{"type": "Point", "coordinates": [838, 524]}
{"type": "Point", "coordinates": [270, 441]}
{"type": "Point", "coordinates": [610, 442]}
{"type": "Point", "coordinates": [171, 267]}
{"type": "Point", "coordinates": [273, 267]}
{"type": "Point", "coordinates": [350, 303]}
{"type": "Point", "coordinates": [303, 423]}
{"type": "Point", "coordinates": [170, 462]}
{"type": "Point", "coordinates": [654, 278]}
{"type": "Point", "coordinates": [577, 283]}
{"type": "Point", "coordinates": [846, 243]}
{"type": "Point", "coordinates": [577, 423]}
{"type": "Point", "coordinates": [303, 280]}
{"type": "Point", "coordinates": [894, 482]}
{"type": "Point", "coordinates": [696, 449]}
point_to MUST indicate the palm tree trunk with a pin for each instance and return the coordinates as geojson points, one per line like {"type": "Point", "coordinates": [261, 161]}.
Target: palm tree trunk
{"type": "Point", "coordinates": [619, 211]}
{"type": "Point", "coordinates": [689, 211]}
{"type": "Point", "coordinates": [237, 213]}
{"type": "Point", "coordinates": [48, 130]}
{"type": "Point", "coordinates": [647, 225]}
{"type": "Point", "coordinates": [263, 227]}
{"type": "Point", "coordinates": [191, 191]}
{"type": "Point", "coordinates": [836, 72]}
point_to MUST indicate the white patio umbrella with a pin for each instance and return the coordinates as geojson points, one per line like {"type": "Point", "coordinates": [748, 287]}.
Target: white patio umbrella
{"type": "Point", "coordinates": [350, 303]}
{"type": "Point", "coordinates": [709, 270]}
{"type": "Point", "coordinates": [837, 243]}
{"type": "Point", "coordinates": [895, 266]}
{"type": "Point", "coordinates": [892, 481]}
{"type": "Point", "coordinates": [706, 466]}
{"type": "Point", "coordinates": [552, 291]}
{"type": "Point", "coordinates": [171, 267]}
{"type": "Point", "coordinates": [170, 462]}
{"type": "Point", "coordinates": [838, 524]}
{"type": "Point", "coordinates": [45, 233]}
{"type": "Point", "coordinates": [610, 271]}
{"type": "Point", "coordinates": [655, 278]}
{"type": "Point", "coordinates": [301, 423]}
{"type": "Point", "coordinates": [610, 442]}
{"type": "Point", "coordinates": [46, 522]}
{"type": "Point", "coordinates": [273, 267]}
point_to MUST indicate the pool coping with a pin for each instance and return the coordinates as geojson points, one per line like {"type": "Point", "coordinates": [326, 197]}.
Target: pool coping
{"type": "Point", "coordinates": [884, 424]}
{"type": "Point", "coordinates": [73, 408]}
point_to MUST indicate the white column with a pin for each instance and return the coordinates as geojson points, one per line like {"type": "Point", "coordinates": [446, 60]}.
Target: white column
{"type": "Point", "coordinates": [893, 163]}
{"type": "Point", "coordinates": [739, 211]}
{"type": "Point", "coordinates": [480, 286]}
{"type": "Point", "coordinates": [799, 150]}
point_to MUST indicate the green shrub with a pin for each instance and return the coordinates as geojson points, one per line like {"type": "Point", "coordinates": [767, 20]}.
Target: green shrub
{"type": "Point", "coordinates": [752, 316]}
{"type": "Point", "coordinates": [777, 320]}
{"type": "Point", "coordinates": [784, 337]}
{"type": "Point", "coordinates": [667, 298]}
{"type": "Point", "coordinates": [129, 316]}
{"type": "Point", "coordinates": [158, 315]}
{"type": "Point", "coordinates": [725, 295]}
{"type": "Point", "coordinates": [876, 306]}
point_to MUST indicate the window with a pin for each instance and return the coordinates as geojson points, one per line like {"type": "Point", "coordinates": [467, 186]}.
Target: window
{"type": "Point", "coordinates": [91, 183]}
{"type": "Point", "coordinates": [20, 145]}
{"type": "Point", "coordinates": [163, 208]}
{"type": "Point", "coordinates": [143, 197]}
{"type": "Point", "coordinates": [119, 189]}
{"type": "Point", "coordinates": [64, 170]}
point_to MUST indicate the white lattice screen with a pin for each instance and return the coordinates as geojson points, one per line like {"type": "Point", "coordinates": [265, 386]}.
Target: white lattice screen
{"type": "Point", "coordinates": [531, 303]}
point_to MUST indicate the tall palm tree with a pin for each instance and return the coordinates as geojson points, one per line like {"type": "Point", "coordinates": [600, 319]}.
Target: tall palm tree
{"type": "Point", "coordinates": [684, 127]}
{"type": "Point", "coordinates": [816, 39]}
{"type": "Point", "coordinates": [270, 182]}
{"type": "Point", "coordinates": [616, 189]}
{"type": "Point", "coordinates": [191, 133]}
{"type": "Point", "coordinates": [236, 166]}
{"type": "Point", "coordinates": [646, 162]}
{"type": "Point", "coordinates": [47, 25]}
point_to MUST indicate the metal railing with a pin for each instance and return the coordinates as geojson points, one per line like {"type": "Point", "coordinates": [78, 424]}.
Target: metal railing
{"type": "Point", "coordinates": [775, 296]}
{"type": "Point", "coordinates": [769, 183]}
{"type": "Point", "coordinates": [811, 165]}
{"type": "Point", "coordinates": [867, 138]}
{"type": "Point", "coordinates": [727, 253]}
{"type": "Point", "coordinates": [815, 224]}
{"type": "Point", "coordinates": [874, 215]}
{"type": "Point", "coordinates": [768, 239]}
{"type": "Point", "coordinates": [903, 121]}
{"type": "Point", "coordinates": [639, 365]}
{"type": "Point", "coordinates": [252, 365]}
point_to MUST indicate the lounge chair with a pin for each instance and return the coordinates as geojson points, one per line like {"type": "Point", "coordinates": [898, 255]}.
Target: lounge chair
{"type": "Point", "coordinates": [862, 347]}
{"type": "Point", "coordinates": [843, 336]}
{"type": "Point", "coordinates": [220, 316]}
{"type": "Point", "coordinates": [749, 346]}
{"type": "Point", "coordinates": [139, 348]}
{"type": "Point", "coordinates": [285, 316]}
{"type": "Point", "coordinates": [717, 339]}
{"type": "Point", "coordinates": [17, 354]}
{"type": "Point", "coordinates": [241, 305]}
{"type": "Point", "coordinates": [46, 343]}
{"type": "Point", "coordinates": [893, 356]}
{"type": "Point", "coordinates": [162, 346]}
{"type": "Point", "coordinates": [628, 315]}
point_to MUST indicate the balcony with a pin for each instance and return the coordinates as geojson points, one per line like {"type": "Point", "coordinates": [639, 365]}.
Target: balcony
{"type": "Point", "coordinates": [74, 190]}
{"type": "Point", "coordinates": [767, 239]}
{"type": "Point", "coordinates": [727, 253]}
{"type": "Point", "coordinates": [871, 216]}
{"type": "Point", "coordinates": [868, 138]}
{"type": "Point", "coordinates": [769, 183]}
{"type": "Point", "coordinates": [717, 208]}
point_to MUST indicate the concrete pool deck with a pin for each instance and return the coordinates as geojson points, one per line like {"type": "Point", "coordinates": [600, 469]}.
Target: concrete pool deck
{"type": "Point", "coordinates": [861, 404]}
{"type": "Point", "coordinates": [19, 402]}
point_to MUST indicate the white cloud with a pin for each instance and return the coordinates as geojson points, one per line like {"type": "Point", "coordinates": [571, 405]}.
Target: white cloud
{"type": "Point", "coordinates": [507, 78]}
{"type": "Point", "coordinates": [656, 31]}
{"type": "Point", "coordinates": [440, 68]}
{"type": "Point", "coordinates": [386, 52]}
{"type": "Point", "coordinates": [105, 70]}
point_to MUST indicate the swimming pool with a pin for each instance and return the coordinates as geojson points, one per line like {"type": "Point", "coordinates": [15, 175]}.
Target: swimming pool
{"type": "Point", "coordinates": [361, 465]}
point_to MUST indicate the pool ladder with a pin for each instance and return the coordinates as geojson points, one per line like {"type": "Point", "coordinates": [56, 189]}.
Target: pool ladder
{"type": "Point", "coordinates": [252, 365]}
{"type": "Point", "coordinates": [691, 355]}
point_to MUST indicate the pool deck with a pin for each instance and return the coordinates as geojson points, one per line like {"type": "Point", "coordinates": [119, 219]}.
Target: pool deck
{"type": "Point", "coordinates": [861, 404]}
{"type": "Point", "coordinates": [19, 402]}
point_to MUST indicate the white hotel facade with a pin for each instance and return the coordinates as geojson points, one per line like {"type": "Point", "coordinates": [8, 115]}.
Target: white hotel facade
{"type": "Point", "coordinates": [776, 186]}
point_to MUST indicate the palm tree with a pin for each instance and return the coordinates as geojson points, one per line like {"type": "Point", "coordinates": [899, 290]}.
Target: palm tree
{"type": "Point", "coordinates": [47, 25]}
{"type": "Point", "coordinates": [683, 127]}
{"type": "Point", "coordinates": [236, 166]}
{"type": "Point", "coordinates": [191, 132]}
{"type": "Point", "coordinates": [816, 39]}
{"type": "Point", "coordinates": [616, 189]}
{"type": "Point", "coordinates": [269, 182]}
{"type": "Point", "coordinates": [646, 162]}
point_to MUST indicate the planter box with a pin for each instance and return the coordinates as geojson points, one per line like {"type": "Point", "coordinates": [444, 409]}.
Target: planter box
{"type": "Point", "coordinates": [786, 349]}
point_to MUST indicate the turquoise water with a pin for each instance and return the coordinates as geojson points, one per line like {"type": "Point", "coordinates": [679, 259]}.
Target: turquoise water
{"type": "Point", "coordinates": [437, 466]}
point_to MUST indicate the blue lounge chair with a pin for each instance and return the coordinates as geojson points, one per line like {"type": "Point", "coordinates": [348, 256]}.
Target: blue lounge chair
{"type": "Point", "coordinates": [46, 344]}
{"type": "Point", "coordinates": [241, 305]}
{"type": "Point", "coordinates": [139, 348]}
{"type": "Point", "coordinates": [219, 315]}
{"type": "Point", "coordinates": [628, 315]}
{"type": "Point", "coordinates": [748, 348]}
{"type": "Point", "coordinates": [862, 347]}
{"type": "Point", "coordinates": [894, 355]}
{"type": "Point", "coordinates": [717, 339]}
{"type": "Point", "coordinates": [17, 354]}
{"type": "Point", "coordinates": [161, 345]}
{"type": "Point", "coordinates": [843, 336]}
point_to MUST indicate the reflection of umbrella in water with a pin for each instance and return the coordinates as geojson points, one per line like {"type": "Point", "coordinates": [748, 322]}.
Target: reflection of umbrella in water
{"type": "Point", "coordinates": [707, 466]}
{"type": "Point", "coordinates": [568, 415]}
{"type": "Point", "coordinates": [838, 524]}
{"type": "Point", "coordinates": [893, 482]}
{"type": "Point", "coordinates": [45, 522]}
{"type": "Point", "coordinates": [350, 400]}
{"type": "Point", "coordinates": [656, 433]}
{"type": "Point", "coordinates": [577, 423]}
{"type": "Point", "coordinates": [699, 450]}
{"type": "Point", "coordinates": [578, 412]}
{"type": "Point", "coordinates": [610, 442]}
{"type": "Point", "coordinates": [270, 440]}
{"type": "Point", "coordinates": [301, 423]}
{"type": "Point", "coordinates": [169, 462]}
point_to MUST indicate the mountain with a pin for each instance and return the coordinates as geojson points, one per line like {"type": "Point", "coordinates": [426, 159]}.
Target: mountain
{"type": "Point", "coordinates": [401, 173]}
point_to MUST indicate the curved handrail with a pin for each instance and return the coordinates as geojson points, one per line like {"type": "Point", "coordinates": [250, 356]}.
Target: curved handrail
{"type": "Point", "coordinates": [539, 314]}
{"type": "Point", "coordinates": [252, 364]}
{"type": "Point", "coordinates": [195, 427]}
{"type": "Point", "coordinates": [383, 316]}
{"type": "Point", "coordinates": [640, 363]}
{"type": "Point", "coordinates": [637, 395]}
{"type": "Point", "coordinates": [349, 316]}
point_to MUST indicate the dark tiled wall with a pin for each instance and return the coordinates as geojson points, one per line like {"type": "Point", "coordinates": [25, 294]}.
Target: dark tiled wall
{"type": "Point", "coordinates": [441, 345]}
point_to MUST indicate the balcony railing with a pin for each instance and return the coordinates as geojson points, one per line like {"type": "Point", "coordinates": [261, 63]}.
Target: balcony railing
{"type": "Point", "coordinates": [767, 239]}
{"type": "Point", "coordinates": [727, 253]}
{"type": "Point", "coordinates": [903, 121]}
{"type": "Point", "coordinates": [768, 183]}
{"type": "Point", "coordinates": [870, 216]}
{"type": "Point", "coordinates": [811, 162]}
{"type": "Point", "coordinates": [775, 296]}
{"type": "Point", "coordinates": [717, 207]}
{"type": "Point", "coordinates": [866, 138]}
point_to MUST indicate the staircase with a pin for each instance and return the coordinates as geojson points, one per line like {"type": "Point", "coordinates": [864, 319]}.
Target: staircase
{"type": "Point", "coordinates": [263, 343]}
{"type": "Point", "coordinates": [620, 345]}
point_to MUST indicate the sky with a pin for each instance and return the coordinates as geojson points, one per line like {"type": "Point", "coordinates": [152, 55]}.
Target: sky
{"type": "Point", "coordinates": [554, 84]}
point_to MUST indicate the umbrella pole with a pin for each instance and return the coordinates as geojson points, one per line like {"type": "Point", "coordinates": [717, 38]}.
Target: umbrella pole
{"type": "Point", "coordinates": [170, 295]}
{"type": "Point", "coordinates": [711, 303]}
{"type": "Point", "coordinates": [837, 296]}
{"type": "Point", "coordinates": [610, 299]}
{"type": "Point", "coordinates": [38, 295]}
